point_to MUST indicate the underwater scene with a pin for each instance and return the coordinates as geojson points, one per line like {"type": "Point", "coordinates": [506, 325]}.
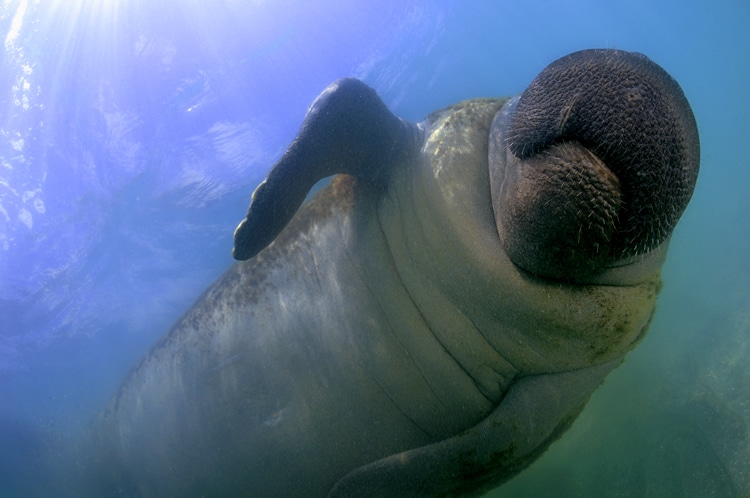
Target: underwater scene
{"type": "Point", "coordinates": [133, 134]}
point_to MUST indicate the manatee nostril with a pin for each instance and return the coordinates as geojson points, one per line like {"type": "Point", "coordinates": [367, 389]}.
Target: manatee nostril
{"type": "Point", "coordinates": [631, 114]}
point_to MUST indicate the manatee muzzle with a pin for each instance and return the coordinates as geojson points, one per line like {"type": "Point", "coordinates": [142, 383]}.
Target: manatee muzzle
{"type": "Point", "coordinates": [593, 164]}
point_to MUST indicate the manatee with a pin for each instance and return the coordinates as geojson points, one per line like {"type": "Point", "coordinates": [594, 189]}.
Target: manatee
{"type": "Point", "coordinates": [434, 318]}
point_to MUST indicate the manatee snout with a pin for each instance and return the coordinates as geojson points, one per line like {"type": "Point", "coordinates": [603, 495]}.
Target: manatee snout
{"type": "Point", "coordinates": [593, 164]}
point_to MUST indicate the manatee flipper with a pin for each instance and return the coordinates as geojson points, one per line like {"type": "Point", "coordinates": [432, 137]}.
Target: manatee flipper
{"type": "Point", "coordinates": [536, 410]}
{"type": "Point", "coordinates": [348, 129]}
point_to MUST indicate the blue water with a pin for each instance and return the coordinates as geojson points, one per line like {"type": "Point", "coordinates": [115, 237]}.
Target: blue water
{"type": "Point", "coordinates": [133, 132]}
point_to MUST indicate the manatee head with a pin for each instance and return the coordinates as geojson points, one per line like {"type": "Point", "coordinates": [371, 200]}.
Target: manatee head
{"type": "Point", "coordinates": [592, 165]}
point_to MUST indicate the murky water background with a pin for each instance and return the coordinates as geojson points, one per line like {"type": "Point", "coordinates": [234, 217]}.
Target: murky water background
{"type": "Point", "coordinates": [132, 134]}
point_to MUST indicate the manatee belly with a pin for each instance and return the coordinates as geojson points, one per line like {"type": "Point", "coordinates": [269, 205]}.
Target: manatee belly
{"type": "Point", "coordinates": [289, 373]}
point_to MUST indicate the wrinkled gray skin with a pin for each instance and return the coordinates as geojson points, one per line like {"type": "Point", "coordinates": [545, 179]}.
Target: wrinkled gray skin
{"type": "Point", "coordinates": [432, 320]}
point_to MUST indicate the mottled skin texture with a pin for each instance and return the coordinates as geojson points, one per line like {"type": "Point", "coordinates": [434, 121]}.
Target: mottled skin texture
{"type": "Point", "coordinates": [386, 342]}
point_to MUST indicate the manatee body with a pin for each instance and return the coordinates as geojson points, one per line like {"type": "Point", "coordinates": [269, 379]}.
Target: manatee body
{"type": "Point", "coordinates": [432, 320]}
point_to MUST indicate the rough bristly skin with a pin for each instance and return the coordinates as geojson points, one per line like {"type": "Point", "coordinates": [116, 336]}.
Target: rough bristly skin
{"type": "Point", "coordinates": [633, 116]}
{"type": "Point", "coordinates": [396, 336]}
